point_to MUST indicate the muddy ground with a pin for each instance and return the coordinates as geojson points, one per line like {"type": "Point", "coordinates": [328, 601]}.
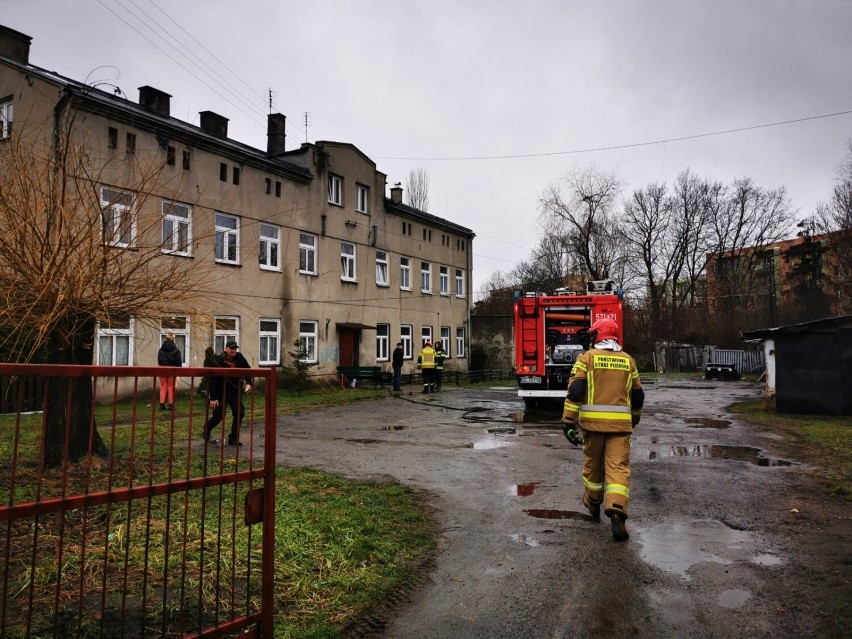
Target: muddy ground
{"type": "Point", "coordinates": [727, 540]}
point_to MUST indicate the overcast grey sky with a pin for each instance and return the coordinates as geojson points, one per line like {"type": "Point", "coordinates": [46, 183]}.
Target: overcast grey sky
{"type": "Point", "coordinates": [495, 99]}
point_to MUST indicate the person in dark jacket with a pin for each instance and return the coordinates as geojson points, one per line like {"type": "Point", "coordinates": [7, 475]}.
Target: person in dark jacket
{"type": "Point", "coordinates": [169, 355]}
{"type": "Point", "coordinates": [228, 388]}
{"type": "Point", "coordinates": [396, 363]}
{"type": "Point", "coordinates": [440, 356]}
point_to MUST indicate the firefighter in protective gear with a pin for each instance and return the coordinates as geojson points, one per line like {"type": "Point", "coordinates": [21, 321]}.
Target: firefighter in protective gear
{"type": "Point", "coordinates": [605, 397]}
{"type": "Point", "coordinates": [440, 356]}
{"type": "Point", "coordinates": [426, 363]}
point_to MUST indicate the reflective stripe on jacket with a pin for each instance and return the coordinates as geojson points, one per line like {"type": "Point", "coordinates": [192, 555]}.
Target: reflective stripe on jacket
{"type": "Point", "coordinates": [427, 357]}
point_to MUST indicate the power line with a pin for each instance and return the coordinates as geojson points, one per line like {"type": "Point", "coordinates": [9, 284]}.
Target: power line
{"type": "Point", "coordinates": [617, 146]}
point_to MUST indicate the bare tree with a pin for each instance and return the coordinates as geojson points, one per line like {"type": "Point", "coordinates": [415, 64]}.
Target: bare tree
{"type": "Point", "coordinates": [835, 218]}
{"type": "Point", "coordinates": [580, 212]}
{"type": "Point", "coordinates": [74, 254]}
{"type": "Point", "coordinates": [417, 189]}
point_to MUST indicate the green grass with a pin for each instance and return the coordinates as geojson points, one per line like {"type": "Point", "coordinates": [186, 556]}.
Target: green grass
{"type": "Point", "coordinates": [340, 546]}
{"type": "Point", "coordinates": [819, 440]}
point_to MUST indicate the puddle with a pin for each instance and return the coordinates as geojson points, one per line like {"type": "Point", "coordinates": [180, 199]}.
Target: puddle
{"type": "Point", "coordinates": [532, 542]}
{"type": "Point", "coordinates": [394, 427]}
{"type": "Point", "coordinates": [705, 422]}
{"type": "Point", "coordinates": [733, 598]}
{"type": "Point", "coordinates": [677, 547]}
{"type": "Point", "coordinates": [524, 490]}
{"type": "Point", "coordinates": [734, 453]}
{"type": "Point", "coordinates": [543, 513]}
{"type": "Point", "coordinates": [765, 559]}
{"type": "Point", "coordinates": [490, 444]}
{"type": "Point", "coordinates": [502, 430]}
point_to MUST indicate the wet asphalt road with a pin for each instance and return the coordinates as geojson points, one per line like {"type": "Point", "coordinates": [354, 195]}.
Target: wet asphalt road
{"type": "Point", "coordinates": [518, 556]}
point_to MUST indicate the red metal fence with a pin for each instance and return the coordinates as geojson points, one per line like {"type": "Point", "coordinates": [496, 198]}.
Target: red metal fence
{"type": "Point", "coordinates": [118, 520]}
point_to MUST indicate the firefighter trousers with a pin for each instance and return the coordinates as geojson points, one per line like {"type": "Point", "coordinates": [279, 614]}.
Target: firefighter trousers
{"type": "Point", "coordinates": [606, 469]}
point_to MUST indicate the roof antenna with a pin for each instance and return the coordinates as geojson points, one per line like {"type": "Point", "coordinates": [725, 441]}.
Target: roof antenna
{"type": "Point", "coordinates": [306, 127]}
{"type": "Point", "coordinates": [270, 100]}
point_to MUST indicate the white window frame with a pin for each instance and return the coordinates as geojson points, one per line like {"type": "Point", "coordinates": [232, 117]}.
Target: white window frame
{"type": "Point", "coordinates": [382, 342]}
{"type": "Point", "coordinates": [382, 268]}
{"type": "Point", "coordinates": [7, 116]}
{"type": "Point", "coordinates": [445, 340]}
{"type": "Point", "coordinates": [405, 273]}
{"type": "Point", "coordinates": [459, 283]}
{"type": "Point", "coordinates": [112, 335]}
{"type": "Point", "coordinates": [425, 277]}
{"type": "Point", "coordinates": [406, 336]}
{"type": "Point", "coordinates": [335, 189]}
{"type": "Point", "coordinates": [460, 342]}
{"type": "Point", "coordinates": [308, 253]}
{"type": "Point", "coordinates": [118, 219]}
{"type": "Point", "coordinates": [347, 262]}
{"type": "Point", "coordinates": [225, 329]}
{"type": "Point", "coordinates": [362, 198]}
{"type": "Point", "coordinates": [308, 337]}
{"type": "Point", "coordinates": [269, 341]}
{"type": "Point", "coordinates": [177, 228]}
{"type": "Point", "coordinates": [269, 252]}
{"type": "Point", "coordinates": [227, 242]}
{"type": "Point", "coordinates": [444, 280]}
{"type": "Point", "coordinates": [179, 325]}
{"type": "Point", "coordinates": [425, 334]}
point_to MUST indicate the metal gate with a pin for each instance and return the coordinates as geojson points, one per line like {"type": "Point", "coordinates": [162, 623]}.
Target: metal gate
{"type": "Point", "coordinates": [117, 519]}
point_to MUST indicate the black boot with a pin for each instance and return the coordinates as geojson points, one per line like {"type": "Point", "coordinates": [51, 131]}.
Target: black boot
{"type": "Point", "coordinates": [162, 407]}
{"type": "Point", "coordinates": [619, 530]}
{"type": "Point", "coordinates": [593, 506]}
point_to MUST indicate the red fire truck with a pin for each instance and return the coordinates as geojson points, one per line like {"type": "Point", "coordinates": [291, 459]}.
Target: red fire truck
{"type": "Point", "coordinates": [552, 330]}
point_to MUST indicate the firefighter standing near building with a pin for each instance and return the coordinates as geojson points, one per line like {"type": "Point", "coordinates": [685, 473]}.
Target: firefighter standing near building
{"type": "Point", "coordinates": [426, 363]}
{"type": "Point", "coordinates": [606, 396]}
{"type": "Point", "coordinates": [440, 356]}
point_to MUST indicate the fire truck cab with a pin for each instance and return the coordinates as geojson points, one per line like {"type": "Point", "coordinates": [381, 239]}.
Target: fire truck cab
{"type": "Point", "coordinates": [552, 330]}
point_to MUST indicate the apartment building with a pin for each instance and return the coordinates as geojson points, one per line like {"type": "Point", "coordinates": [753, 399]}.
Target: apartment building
{"type": "Point", "coordinates": [305, 244]}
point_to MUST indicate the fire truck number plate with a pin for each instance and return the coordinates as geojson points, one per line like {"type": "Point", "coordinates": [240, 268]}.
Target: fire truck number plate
{"type": "Point", "coordinates": [530, 380]}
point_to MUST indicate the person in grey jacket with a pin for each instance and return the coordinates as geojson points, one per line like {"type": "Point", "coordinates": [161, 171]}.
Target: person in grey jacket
{"type": "Point", "coordinates": [169, 355]}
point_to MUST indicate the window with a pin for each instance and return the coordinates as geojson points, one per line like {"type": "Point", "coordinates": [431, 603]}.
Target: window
{"type": "Point", "coordinates": [445, 339]}
{"type": "Point", "coordinates": [236, 175]}
{"type": "Point", "coordinates": [112, 138]}
{"type": "Point", "coordinates": [227, 242]}
{"type": "Point", "coordinates": [307, 253]}
{"type": "Point", "coordinates": [460, 342]}
{"type": "Point", "coordinates": [425, 277]}
{"type": "Point", "coordinates": [347, 261]}
{"type": "Point", "coordinates": [459, 283]}
{"type": "Point", "coordinates": [335, 190]}
{"type": "Point", "coordinates": [187, 160]}
{"type": "Point", "coordinates": [406, 228]}
{"type": "Point", "coordinates": [179, 325]}
{"type": "Point", "coordinates": [427, 235]}
{"type": "Point", "coordinates": [223, 172]}
{"type": "Point", "coordinates": [115, 339]}
{"type": "Point", "coordinates": [269, 247]}
{"type": "Point", "coordinates": [381, 268]}
{"type": "Point", "coordinates": [406, 332]}
{"type": "Point", "coordinates": [382, 342]}
{"type": "Point", "coordinates": [362, 199]}
{"type": "Point", "coordinates": [131, 143]}
{"type": "Point", "coordinates": [460, 244]}
{"type": "Point", "coordinates": [268, 189]}
{"type": "Point", "coordinates": [117, 213]}
{"type": "Point", "coordinates": [308, 340]}
{"type": "Point", "coordinates": [425, 335]}
{"type": "Point", "coordinates": [225, 329]}
{"type": "Point", "coordinates": [277, 188]}
{"type": "Point", "coordinates": [444, 280]}
{"type": "Point", "coordinates": [176, 228]}
{"type": "Point", "coordinates": [171, 153]}
{"type": "Point", "coordinates": [269, 353]}
{"type": "Point", "coordinates": [405, 273]}
{"type": "Point", "coordinates": [445, 240]}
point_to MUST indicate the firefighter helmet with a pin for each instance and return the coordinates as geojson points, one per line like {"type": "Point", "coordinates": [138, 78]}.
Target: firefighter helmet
{"type": "Point", "coordinates": [605, 328]}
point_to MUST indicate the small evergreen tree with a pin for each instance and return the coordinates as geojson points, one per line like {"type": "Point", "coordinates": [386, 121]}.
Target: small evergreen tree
{"type": "Point", "coordinates": [301, 365]}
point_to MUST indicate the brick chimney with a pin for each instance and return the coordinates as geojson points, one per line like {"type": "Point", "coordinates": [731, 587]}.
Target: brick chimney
{"type": "Point", "coordinates": [275, 133]}
{"type": "Point", "coordinates": [14, 45]}
{"type": "Point", "coordinates": [396, 193]}
{"type": "Point", "coordinates": [154, 100]}
{"type": "Point", "coordinates": [214, 124]}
